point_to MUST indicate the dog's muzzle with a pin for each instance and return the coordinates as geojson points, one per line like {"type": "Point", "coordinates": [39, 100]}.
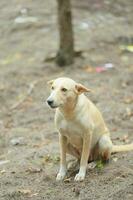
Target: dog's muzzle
{"type": "Point", "coordinates": [51, 104]}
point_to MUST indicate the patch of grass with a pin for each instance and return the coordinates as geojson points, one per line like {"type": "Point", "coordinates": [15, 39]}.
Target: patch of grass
{"type": "Point", "coordinates": [100, 164]}
{"type": "Point", "coordinates": [51, 159]}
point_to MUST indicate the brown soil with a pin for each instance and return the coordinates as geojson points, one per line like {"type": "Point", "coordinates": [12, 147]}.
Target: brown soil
{"type": "Point", "coordinates": [102, 29]}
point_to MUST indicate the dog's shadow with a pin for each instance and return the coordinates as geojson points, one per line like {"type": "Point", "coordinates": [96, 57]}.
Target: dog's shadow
{"type": "Point", "coordinates": [73, 166]}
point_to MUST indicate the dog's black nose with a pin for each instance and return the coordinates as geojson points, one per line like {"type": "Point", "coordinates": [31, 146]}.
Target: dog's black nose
{"type": "Point", "coordinates": [49, 102]}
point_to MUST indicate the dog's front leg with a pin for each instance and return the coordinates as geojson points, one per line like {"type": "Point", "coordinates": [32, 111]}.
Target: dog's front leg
{"type": "Point", "coordinates": [63, 167]}
{"type": "Point", "coordinates": [84, 157]}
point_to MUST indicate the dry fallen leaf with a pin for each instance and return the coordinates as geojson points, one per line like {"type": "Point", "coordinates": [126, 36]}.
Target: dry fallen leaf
{"type": "Point", "coordinates": [3, 171]}
{"type": "Point", "coordinates": [33, 170]}
{"type": "Point", "coordinates": [124, 84]}
{"type": "Point", "coordinates": [89, 69]}
{"type": "Point", "coordinates": [41, 144]}
{"type": "Point", "coordinates": [27, 192]}
{"type": "Point", "coordinates": [24, 191]}
{"type": "Point", "coordinates": [128, 100]}
{"type": "Point", "coordinates": [2, 162]}
{"type": "Point", "coordinates": [128, 48]}
{"type": "Point", "coordinates": [92, 165]}
{"type": "Point", "coordinates": [114, 129]}
{"type": "Point", "coordinates": [129, 112]}
{"type": "Point", "coordinates": [35, 194]}
{"type": "Point", "coordinates": [115, 159]}
{"type": "Point", "coordinates": [125, 138]}
{"type": "Point", "coordinates": [67, 180]}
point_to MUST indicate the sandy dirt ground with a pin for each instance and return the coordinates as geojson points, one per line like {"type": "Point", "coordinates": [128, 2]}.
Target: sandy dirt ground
{"type": "Point", "coordinates": [29, 151]}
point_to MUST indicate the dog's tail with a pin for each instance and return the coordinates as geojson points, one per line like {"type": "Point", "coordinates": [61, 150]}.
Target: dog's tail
{"type": "Point", "coordinates": [121, 148]}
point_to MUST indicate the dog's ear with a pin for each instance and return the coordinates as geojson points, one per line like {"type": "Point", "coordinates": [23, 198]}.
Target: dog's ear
{"type": "Point", "coordinates": [81, 89]}
{"type": "Point", "coordinates": [50, 82]}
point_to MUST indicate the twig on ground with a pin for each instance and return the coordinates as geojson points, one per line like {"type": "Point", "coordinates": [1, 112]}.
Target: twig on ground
{"type": "Point", "coordinates": [30, 89]}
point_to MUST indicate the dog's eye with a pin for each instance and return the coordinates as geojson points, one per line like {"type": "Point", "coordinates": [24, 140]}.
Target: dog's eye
{"type": "Point", "coordinates": [63, 89]}
{"type": "Point", "coordinates": [52, 88]}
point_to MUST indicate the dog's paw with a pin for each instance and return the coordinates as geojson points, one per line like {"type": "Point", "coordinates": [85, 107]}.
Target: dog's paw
{"type": "Point", "coordinates": [79, 177]}
{"type": "Point", "coordinates": [60, 176]}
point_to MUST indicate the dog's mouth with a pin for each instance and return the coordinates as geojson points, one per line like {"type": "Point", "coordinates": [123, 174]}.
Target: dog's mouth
{"type": "Point", "coordinates": [53, 106]}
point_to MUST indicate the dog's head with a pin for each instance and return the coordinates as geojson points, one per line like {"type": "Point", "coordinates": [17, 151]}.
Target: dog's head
{"type": "Point", "coordinates": [64, 91]}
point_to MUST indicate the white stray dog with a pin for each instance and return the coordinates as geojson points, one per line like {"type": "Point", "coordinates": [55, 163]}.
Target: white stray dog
{"type": "Point", "coordinates": [82, 130]}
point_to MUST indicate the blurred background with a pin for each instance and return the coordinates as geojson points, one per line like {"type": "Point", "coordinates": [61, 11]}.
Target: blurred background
{"type": "Point", "coordinates": [90, 41]}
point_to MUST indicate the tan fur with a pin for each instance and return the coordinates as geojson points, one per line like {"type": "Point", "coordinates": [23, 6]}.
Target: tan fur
{"type": "Point", "coordinates": [82, 130]}
{"type": "Point", "coordinates": [120, 148]}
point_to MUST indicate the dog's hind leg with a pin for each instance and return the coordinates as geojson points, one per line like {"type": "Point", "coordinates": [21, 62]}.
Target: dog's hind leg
{"type": "Point", "coordinates": [105, 147]}
{"type": "Point", "coordinates": [73, 151]}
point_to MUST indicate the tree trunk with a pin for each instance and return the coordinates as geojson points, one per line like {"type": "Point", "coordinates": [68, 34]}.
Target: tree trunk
{"type": "Point", "coordinates": [65, 55]}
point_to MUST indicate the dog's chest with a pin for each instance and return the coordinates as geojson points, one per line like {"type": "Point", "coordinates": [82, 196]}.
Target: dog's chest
{"type": "Point", "coordinates": [71, 129]}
